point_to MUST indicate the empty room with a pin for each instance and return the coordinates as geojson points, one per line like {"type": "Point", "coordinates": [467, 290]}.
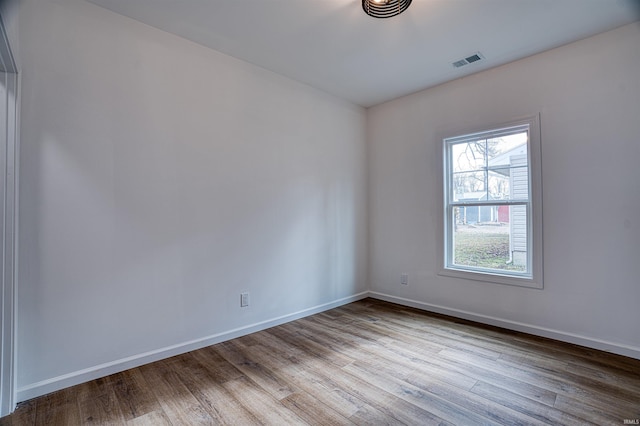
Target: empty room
{"type": "Point", "coordinates": [324, 212]}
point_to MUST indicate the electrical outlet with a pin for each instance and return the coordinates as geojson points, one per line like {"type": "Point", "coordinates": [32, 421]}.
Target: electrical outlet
{"type": "Point", "coordinates": [244, 300]}
{"type": "Point", "coordinates": [404, 279]}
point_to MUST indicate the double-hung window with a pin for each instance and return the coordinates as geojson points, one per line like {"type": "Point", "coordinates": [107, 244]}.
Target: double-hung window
{"type": "Point", "coordinates": [492, 211]}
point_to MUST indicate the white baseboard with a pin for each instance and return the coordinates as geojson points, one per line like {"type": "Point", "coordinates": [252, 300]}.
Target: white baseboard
{"type": "Point", "coordinates": [74, 378]}
{"type": "Point", "coordinates": [603, 345]}
{"type": "Point", "coordinates": [56, 383]}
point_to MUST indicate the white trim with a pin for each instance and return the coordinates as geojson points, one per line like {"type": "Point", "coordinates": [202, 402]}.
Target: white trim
{"type": "Point", "coordinates": [9, 249]}
{"type": "Point", "coordinates": [535, 277]}
{"type": "Point", "coordinates": [76, 377]}
{"type": "Point", "coordinates": [577, 339]}
{"type": "Point", "coordinates": [8, 222]}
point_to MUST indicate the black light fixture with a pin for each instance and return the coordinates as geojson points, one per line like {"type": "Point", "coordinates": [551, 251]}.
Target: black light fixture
{"type": "Point", "coordinates": [384, 8]}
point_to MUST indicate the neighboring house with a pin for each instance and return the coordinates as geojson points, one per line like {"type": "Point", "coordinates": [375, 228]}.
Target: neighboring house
{"type": "Point", "coordinates": [513, 164]}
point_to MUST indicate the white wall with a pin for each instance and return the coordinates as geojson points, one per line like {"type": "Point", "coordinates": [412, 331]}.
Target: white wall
{"type": "Point", "coordinates": [159, 179]}
{"type": "Point", "coordinates": [588, 97]}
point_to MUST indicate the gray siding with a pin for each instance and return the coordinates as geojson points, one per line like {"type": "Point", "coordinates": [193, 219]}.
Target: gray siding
{"type": "Point", "coordinates": [519, 189]}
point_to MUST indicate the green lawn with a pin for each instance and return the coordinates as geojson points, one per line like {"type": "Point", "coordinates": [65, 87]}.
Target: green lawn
{"type": "Point", "coordinates": [484, 250]}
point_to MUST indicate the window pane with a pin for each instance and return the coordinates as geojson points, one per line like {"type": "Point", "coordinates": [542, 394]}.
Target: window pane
{"type": "Point", "coordinates": [508, 175]}
{"type": "Point", "coordinates": [468, 156]}
{"type": "Point", "coordinates": [509, 184]}
{"type": "Point", "coordinates": [499, 188]}
{"type": "Point", "coordinates": [500, 149]}
{"type": "Point", "coordinates": [490, 237]}
{"type": "Point", "coordinates": [519, 183]}
{"type": "Point", "coordinates": [469, 186]}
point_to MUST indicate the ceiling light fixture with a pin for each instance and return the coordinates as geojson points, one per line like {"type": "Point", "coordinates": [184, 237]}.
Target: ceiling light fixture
{"type": "Point", "coordinates": [384, 8]}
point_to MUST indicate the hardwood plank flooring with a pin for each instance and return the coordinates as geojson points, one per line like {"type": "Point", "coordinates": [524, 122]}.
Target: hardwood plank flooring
{"type": "Point", "coordinates": [369, 362]}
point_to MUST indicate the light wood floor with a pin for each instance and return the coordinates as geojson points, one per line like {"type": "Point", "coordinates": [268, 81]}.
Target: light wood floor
{"type": "Point", "coordinates": [369, 362]}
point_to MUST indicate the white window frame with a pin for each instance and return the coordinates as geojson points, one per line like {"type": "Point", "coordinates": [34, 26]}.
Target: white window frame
{"type": "Point", "coordinates": [9, 149]}
{"type": "Point", "coordinates": [533, 278]}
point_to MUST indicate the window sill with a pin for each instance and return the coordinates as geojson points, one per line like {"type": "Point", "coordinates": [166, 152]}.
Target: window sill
{"type": "Point", "coordinates": [492, 278]}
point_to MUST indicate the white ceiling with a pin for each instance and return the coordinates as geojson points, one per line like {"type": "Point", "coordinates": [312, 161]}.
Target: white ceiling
{"type": "Point", "coordinates": [333, 46]}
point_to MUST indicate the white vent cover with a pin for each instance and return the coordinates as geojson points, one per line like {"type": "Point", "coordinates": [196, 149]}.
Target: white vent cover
{"type": "Point", "coordinates": [468, 60]}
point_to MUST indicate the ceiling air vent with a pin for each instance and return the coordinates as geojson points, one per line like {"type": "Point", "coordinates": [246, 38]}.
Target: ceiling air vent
{"type": "Point", "coordinates": [468, 60]}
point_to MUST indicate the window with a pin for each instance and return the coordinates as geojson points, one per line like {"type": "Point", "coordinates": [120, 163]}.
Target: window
{"type": "Point", "coordinates": [492, 220]}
